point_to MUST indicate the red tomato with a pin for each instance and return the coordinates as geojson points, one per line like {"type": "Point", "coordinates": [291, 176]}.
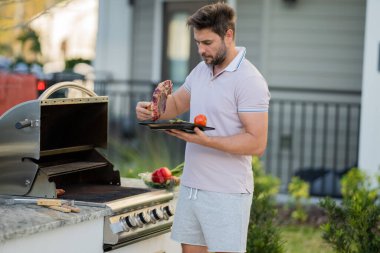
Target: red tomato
{"type": "Point", "coordinates": [200, 119]}
{"type": "Point", "coordinates": [161, 175]}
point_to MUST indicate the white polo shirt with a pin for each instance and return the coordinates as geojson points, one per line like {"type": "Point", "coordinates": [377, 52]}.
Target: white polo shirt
{"type": "Point", "coordinates": [239, 88]}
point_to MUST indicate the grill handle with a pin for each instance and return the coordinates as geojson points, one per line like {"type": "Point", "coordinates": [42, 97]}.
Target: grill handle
{"type": "Point", "coordinates": [23, 124]}
{"type": "Point", "coordinates": [65, 85]}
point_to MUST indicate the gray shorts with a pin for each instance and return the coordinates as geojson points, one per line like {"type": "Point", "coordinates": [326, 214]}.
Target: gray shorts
{"type": "Point", "coordinates": [216, 220]}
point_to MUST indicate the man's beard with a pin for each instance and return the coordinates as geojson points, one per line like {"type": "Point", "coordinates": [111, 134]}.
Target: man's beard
{"type": "Point", "coordinates": [219, 57]}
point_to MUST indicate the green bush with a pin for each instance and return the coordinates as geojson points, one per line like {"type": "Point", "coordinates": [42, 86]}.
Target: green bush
{"type": "Point", "coordinates": [146, 155]}
{"type": "Point", "coordinates": [299, 191]}
{"type": "Point", "coordinates": [263, 234]}
{"type": "Point", "coordinates": [28, 34]}
{"type": "Point", "coordinates": [353, 225]}
{"type": "Point", "coordinates": [70, 63]}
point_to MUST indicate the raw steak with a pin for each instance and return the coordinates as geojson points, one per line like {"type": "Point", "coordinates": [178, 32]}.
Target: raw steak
{"type": "Point", "coordinates": [160, 95]}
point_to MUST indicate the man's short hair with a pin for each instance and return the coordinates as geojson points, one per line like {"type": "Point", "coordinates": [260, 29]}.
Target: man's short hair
{"type": "Point", "coordinates": [219, 17]}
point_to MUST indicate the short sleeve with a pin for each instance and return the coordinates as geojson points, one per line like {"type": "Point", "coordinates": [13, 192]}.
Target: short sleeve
{"type": "Point", "coordinates": [253, 95]}
{"type": "Point", "coordinates": [187, 84]}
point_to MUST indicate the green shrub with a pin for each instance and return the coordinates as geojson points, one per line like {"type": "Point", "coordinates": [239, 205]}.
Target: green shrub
{"type": "Point", "coordinates": [70, 63]}
{"type": "Point", "coordinates": [146, 155]}
{"type": "Point", "coordinates": [299, 191]}
{"type": "Point", "coordinates": [28, 34]}
{"type": "Point", "coordinates": [263, 235]}
{"type": "Point", "coordinates": [354, 225]}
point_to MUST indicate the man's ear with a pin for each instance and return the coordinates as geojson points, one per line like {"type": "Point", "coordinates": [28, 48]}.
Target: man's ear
{"type": "Point", "coordinates": [229, 35]}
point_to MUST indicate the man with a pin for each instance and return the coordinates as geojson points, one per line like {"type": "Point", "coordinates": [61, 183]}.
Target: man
{"type": "Point", "coordinates": [215, 196]}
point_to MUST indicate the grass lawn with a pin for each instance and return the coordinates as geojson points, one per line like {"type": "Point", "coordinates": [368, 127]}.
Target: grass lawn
{"type": "Point", "coordinates": [303, 239]}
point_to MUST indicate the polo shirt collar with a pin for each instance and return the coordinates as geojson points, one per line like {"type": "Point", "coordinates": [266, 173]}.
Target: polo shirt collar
{"type": "Point", "coordinates": [235, 64]}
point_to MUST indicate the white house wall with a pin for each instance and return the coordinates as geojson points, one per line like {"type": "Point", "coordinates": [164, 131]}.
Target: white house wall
{"type": "Point", "coordinates": [317, 44]}
{"type": "Point", "coordinates": [114, 40]}
{"type": "Point", "coordinates": [143, 27]}
{"type": "Point", "coordinates": [311, 44]}
{"type": "Point", "coordinates": [249, 28]}
{"type": "Point", "coordinates": [369, 158]}
{"type": "Point", "coordinates": [113, 52]}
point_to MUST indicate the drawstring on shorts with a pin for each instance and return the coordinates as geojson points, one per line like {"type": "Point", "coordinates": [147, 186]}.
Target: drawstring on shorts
{"type": "Point", "coordinates": [191, 195]}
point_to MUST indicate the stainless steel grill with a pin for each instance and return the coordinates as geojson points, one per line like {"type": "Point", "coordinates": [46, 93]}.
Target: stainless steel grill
{"type": "Point", "coordinates": [50, 144]}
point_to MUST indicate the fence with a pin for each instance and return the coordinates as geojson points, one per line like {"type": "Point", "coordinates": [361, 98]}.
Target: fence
{"type": "Point", "coordinates": [316, 139]}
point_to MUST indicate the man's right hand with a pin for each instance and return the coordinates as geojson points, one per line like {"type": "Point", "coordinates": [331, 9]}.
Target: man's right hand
{"type": "Point", "coordinates": [143, 111]}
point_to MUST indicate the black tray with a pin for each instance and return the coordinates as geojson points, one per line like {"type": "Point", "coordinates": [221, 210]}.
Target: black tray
{"type": "Point", "coordinates": [184, 126]}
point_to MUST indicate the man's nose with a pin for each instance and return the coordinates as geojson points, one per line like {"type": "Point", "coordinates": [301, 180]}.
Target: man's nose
{"type": "Point", "coordinates": [201, 49]}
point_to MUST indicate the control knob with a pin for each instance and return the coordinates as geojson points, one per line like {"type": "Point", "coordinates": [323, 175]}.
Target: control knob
{"type": "Point", "coordinates": [129, 222]}
{"type": "Point", "coordinates": [143, 218]}
{"type": "Point", "coordinates": [156, 215]}
{"type": "Point", "coordinates": [168, 211]}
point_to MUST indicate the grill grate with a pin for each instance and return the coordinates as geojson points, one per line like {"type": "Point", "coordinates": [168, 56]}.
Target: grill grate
{"type": "Point", "coordinates": [100, 193]}
{"type": "Point", "coordinates": [69, 167]}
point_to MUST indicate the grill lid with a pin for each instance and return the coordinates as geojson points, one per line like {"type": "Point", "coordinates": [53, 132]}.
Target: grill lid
{"type": "Point", "coordinates": [46, 127]}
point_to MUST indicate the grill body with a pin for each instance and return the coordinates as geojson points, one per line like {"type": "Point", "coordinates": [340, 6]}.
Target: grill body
{"type": "Point", "coordinates": [49, 144]}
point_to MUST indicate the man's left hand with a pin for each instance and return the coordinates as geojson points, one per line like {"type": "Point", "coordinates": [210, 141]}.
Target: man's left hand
{"type": "Point", "coordinates": [198, 137]}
